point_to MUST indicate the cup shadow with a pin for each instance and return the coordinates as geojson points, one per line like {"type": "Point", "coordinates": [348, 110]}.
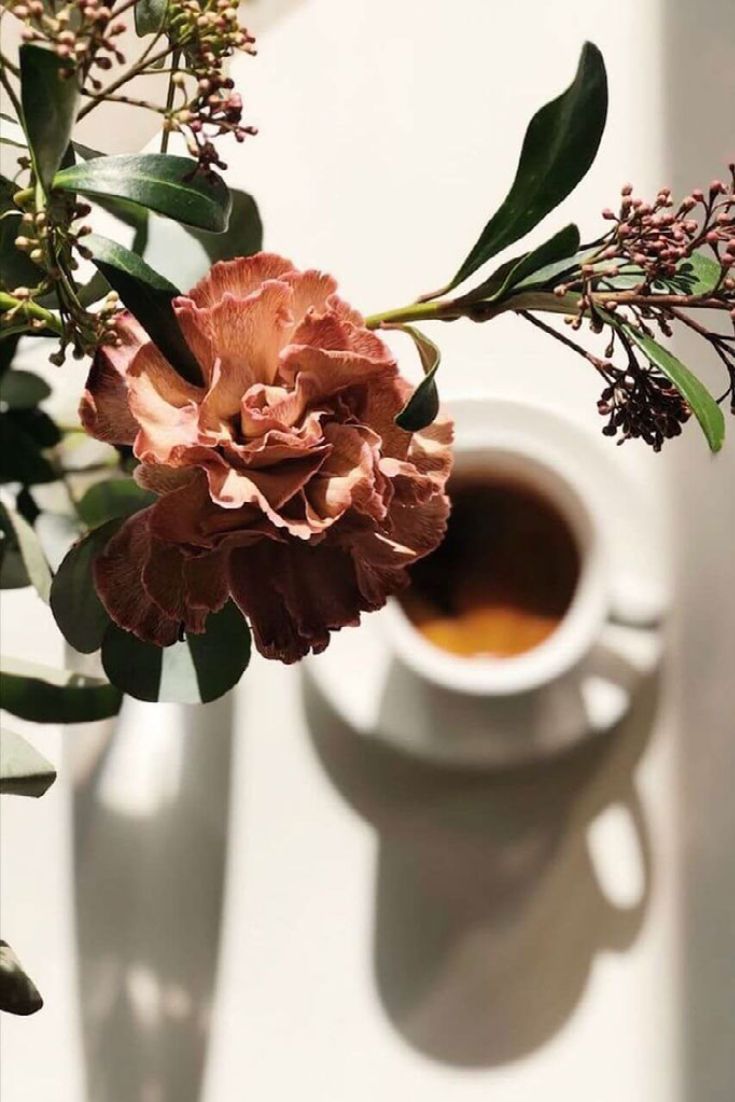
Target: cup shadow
{"type": "Point", "coordinates": [150, 813]}
{"type": "Point", "coordinates": [488, 909]}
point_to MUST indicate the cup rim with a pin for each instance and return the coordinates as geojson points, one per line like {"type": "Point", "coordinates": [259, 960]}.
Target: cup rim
{"type": "Point", "coordinates": [571, 639]}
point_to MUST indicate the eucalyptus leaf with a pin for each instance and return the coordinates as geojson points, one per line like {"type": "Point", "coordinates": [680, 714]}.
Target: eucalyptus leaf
{"type": "Point", "coordinates": [23, 770]}
{"type": "Point", "coordinates": [22, 389]}
{"type": "Point", "coordinates": [32, 554]}
{"type": "Point", "coordinates": [78, 611]}
{"type": "Point", "coordinates": [49, 92]}
{"type": "Point", "coordinates": [44, 695]}
{"type": "Point", "coordinates": [18, 993]}
{"type": "Point", "coordinates": [156, 181]}
{"type": "Point", "coordinates": [115, 497]}
{"type": "Point", "coordinates": [197, 670]}
{"type": "Point", "coordinates": [560, 145]}
{"type": "Point", "coordinates": [423, 405]}
{"type": "Point", "coordinates": [148, 296]}
{"type": "Point", "coordinates": [701, 402]}
{"type": "Point", "coordinates": [149, 16]}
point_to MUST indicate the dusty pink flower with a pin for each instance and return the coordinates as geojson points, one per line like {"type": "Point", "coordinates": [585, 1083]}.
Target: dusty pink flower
{"type": "Point", "coordinates": [284, 482]}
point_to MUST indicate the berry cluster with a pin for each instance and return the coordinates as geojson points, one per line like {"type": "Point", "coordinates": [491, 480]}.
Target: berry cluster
{"type": "Point", "coordinates": [84, 32]}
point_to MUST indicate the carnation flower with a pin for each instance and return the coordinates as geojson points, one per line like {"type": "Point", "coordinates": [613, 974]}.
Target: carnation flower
{"type": "Point", "coordinates": [283, 481]}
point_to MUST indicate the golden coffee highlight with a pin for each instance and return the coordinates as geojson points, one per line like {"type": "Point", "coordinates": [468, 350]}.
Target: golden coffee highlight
{"type": "Point", "coordinates": [504, 577]}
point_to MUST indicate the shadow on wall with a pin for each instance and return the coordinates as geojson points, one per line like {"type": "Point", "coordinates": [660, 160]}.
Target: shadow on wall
{"type": "Point", "coordinates": [489, 912]}
{"type": "Point", "coordinates": [150, 823]}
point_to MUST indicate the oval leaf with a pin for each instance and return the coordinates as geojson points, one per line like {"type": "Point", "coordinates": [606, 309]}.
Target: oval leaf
{"type": "Point", "coordinates": [56, 696]}
{"type": "Point", "coordinates": [77, 609]}
{"type": "Point", "coordinates": [198, 670]}
{"type": "Point", "coordinates": [32, 554]}
{"type": "Point", "coordinates": [23, 771]}
{"type": "Point", "coordinates": [702, 404]}
{"type": "Point", "coordinates": [148, 297]}
{"type": "Point", "coordinates": [560, 145]}
{"type": "Point", "coordinates": [118, 497]}
{"type": "Point", "coordinates": [423, 405]}
{"type": "Point", "coordinates": [157, 182]}
{"type": "Point", "coordinates": [23, 389]}
{"type": "Point", "coordinates": [50, 99]}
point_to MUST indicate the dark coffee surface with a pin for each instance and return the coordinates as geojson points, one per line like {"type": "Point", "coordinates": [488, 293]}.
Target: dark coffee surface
{"type": "Point", "coordinates": [504, 576]}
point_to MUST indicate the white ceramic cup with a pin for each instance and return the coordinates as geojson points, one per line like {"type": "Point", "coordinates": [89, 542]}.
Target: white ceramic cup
{"type": "Point", "coordinates": [552, 474]}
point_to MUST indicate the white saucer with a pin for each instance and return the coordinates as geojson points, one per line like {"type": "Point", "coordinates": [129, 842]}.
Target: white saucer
{"type": "Point", "coordinates": [377, 696]}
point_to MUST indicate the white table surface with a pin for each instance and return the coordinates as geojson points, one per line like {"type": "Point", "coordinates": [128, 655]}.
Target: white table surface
{"type": "Point", "coordinates": [391, 933]}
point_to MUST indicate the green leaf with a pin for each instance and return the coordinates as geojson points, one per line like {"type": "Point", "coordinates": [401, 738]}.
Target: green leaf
{"type": "Point", "coordinates": [156, 181]}
{"type": "Point", "coordinates": [13, 574]}
{"type": "Point", "coordinates": [423, 405]}
{"type": "Point", "coordinates": [148, 296]}
{"type": "Point", "coordinates": [23, 771]}
{"type": "Point", "coordinates": [198, 670]}
{"type": "Point", "coordinates": [560, 145]}
{"type": "Point", "coordinates": [558, 249]}
{"type": "Point", "coordinates": [699, 274]}
{"type": "Point", "coordinates": [20, 456]}
{"type": "Point", "coordinates": [32, 554]}
{"type": "Point", "coordinates": [77, 609]}
{"type": "Point", "coordinates": [8, 348]}
{"type": "Point", "coordinates": [702, 404]}
{"type": "Point", "coordinates": [118, 497]}
{"type": "Point", "coordinates": [18, 994]}
{"type": "Point", "coordinates": [23, 389]}
{"type": "Point", "coordinates": [16, 268]}
{"type": "Point", "coordinates": [44, 695]}
{"type": "Point", "coordinates": [149, 16]}
{"type": "Point", "coordinates": [50, 99]}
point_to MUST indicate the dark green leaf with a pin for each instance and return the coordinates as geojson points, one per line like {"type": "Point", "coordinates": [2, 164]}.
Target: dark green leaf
{"type": "Point", "coordinates": [8, 347]}
{"type": "Point", "coordinates": [423, 405]}
{"type": "Point", "coordinates": [149, 16]}
{"type": "Point", "coordinates": [23, 389]}
{"type": "Point", "coordinates": [13, 574]}
{"type": "Point", "coordinates": [702, 404]}
{"type": "Point", "coordinates": [560, 248]}
{"type": "Point", "coordinates": [20, 456]}
{"type": "Point", "coordinates": [148, 296]}
{"type": "Point", "coordinates": [31, 552]}
{"type": "Point", "coordinates": [18, 994]}
{"type": "Point", "coordinates": [156, 181]}
{"type": "Point", "coordinates": [198, 670]}
{"type": "Point", "coordinates": [23, 771]}
{"type": "Point", "coordinates": [77, 609]}
{"type": "Point", "coordinates": [118, 497]}
{"type": "Point", "coordinates": [41, 428]}
{"type": "Point", "coordinates": [560, 145]}
{"type": "Point", "coordinates": [50, 99]}
{"type": "Point", "coordinates": [56, 696]}
{"type": "Point", "coordinates": [16, 268]}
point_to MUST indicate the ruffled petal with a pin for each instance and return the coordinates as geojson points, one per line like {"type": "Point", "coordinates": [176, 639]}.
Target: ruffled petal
{"type": "Point", "coordinates": [239, 278]}
{"type": "Point", "coordinates": [118, 581]}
